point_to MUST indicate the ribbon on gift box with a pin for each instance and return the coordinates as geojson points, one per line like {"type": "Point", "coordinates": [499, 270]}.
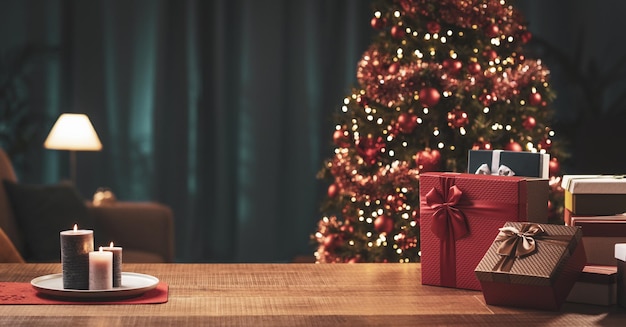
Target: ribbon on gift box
{"type": "Point", "coordinates": [495, 168]}
{"type": "Point", "coordinates": [449, 211]}
{"type": "Point", "coordinates": [502, 170]}
{"type": "Point", "coordinates": [518, 243]}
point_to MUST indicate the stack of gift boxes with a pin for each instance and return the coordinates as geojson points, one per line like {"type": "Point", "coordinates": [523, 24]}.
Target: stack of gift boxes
{"type": "Point", "coordinates": [487, 230]}
{"type": "Point", "coordinates": [596, 204]}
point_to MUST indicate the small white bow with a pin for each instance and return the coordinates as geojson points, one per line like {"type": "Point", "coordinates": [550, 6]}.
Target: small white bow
{"type": "Point", "coordinates": [502, 171]}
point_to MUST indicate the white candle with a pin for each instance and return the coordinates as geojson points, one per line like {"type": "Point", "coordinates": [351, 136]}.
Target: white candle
{"type": "Point", "coordinates": [100, 270]}
{"type": "Point", "coordinates": [117, 263]}
{"type": "Point", "coordinates": [75, 247]}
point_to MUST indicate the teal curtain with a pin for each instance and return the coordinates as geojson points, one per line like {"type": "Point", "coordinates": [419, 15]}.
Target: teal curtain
{"type": "Point", "coordinates": [221, 109]}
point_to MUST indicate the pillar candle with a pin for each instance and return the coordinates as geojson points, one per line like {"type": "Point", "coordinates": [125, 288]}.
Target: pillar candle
{"type": "Point", "coordinates": [75, 247]}
{"type": "Point", "coordinates": [117, 263]}
{"type": "Point", "coordinates": [100, 270]}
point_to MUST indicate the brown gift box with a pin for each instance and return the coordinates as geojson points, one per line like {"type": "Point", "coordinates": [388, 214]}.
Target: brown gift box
{"type": "Point", "coordinates": [600, 234]}
{"type": "Point", "coordinates": [539, 278]}
{"type": "Point", "coordinates": [596, 285]}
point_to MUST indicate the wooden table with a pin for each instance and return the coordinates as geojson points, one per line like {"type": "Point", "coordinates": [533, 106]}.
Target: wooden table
{"type": "Point", "coordinates": [293, 295]}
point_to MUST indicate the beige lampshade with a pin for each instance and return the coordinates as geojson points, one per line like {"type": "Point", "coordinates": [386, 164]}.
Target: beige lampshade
{"type": "Point", "coordinates": [73, 132]}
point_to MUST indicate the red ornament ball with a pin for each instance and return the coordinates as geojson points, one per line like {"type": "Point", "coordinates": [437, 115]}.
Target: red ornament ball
{"type": "Point", "coordinates": [492, 30]}
{"type": "Point", "coordinates": [490, 54]}
{"type": "Point", "coordinates": [384, 224]}
{"type": "Point", "coordinates": [377, 23]}
{"type": "Point", "coordinates": [481, 144]}
{"type": "Point", "coordinates": [429, 96]}
{"type": "Point", "coordinates": [433, 27]}
{"type": "Point", "coordinates": [474, 68]}
{"type": "Point", "coordinates": [535, 99]}
{"type": "Point", "coordinates": [526, 36]}
{"type": "Point", "coordinates": [407, 123]}
{"type": "Point", "coordinates": [545, 144]}
{"type": "Point", "coordinates": [397, 32]}
{"type": "Point", "coordinates": [393, 68]}
{"type": "Point", "coordinates": [333, 190]}
{"type": "Point", "coordinates": [332, 241]}
{"type": "Point", "coordinates": [369, 148]}
{"type": "Point", "coordinates": [457, 118]}
{"type": "Point", "coordinates": [453, 66]}
{"type": "Point", "coordinates": [529, 123]}
{"type": "Point", "coordinates": [428, 160]}
{"type": "Point", "coordinates": [341, 138]}
{"type": "Point", "coordinates": [349, 229]}
{"type": "Point", "coordinates": [554, 167]}
{"type": "Point", "coordinates": [488, 98]}
{"type": "Point", "coordinates": [513, 146]}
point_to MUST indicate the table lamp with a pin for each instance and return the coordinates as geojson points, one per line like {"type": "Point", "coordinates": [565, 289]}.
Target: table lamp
{"type": "Point", "coordinates": [73, 132]}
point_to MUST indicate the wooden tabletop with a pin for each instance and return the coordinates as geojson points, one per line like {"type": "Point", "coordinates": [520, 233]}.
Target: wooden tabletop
{"type": "Point", "coordinates": [294, 295]}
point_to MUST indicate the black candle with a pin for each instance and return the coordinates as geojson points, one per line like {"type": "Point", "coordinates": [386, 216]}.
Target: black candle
{"type": "Point", "coordinates": [117, 264]}
{"type": "Point", "coordinates": [75, 247]}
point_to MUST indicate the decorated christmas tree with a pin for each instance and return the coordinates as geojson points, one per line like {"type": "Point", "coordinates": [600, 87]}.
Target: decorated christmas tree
{"type": "Point", "coordinates": [441, 77]}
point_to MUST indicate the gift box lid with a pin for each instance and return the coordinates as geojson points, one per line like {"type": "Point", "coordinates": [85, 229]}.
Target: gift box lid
{"type": "Point", "coordinates": [598, 274]}
{"type": "Point", "coordinates": [541, 266]}
{"type": "Point", "coordinates": [620, 251]}
{"type": "Point", "coordinates": [530, 194]}
{"type": "Point", "coordinates": [607, 226]}
{"type": "Point", "coordinates": [594, 184]}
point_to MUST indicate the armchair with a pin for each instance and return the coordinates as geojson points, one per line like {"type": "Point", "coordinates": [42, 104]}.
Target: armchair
{"type": "Point", "coordinates": [144, 229]}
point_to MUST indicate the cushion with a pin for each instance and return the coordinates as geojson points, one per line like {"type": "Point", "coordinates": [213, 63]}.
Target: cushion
{"type": "Point", "coordinates": [42, 212]}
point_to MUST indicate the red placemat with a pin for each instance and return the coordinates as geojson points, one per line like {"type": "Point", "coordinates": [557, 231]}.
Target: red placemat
{"type": "Point", "coordinates": [24, 293]}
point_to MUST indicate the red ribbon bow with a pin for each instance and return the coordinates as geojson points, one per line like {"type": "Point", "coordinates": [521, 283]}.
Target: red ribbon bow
{"type": "Point", "coordinates": [447, 219]}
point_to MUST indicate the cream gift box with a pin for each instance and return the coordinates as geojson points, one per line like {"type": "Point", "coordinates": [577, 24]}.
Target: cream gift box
{"type": "Point", "coordinates": [620, 260]}
{"type": "Point", "coordinates": [594, 194]}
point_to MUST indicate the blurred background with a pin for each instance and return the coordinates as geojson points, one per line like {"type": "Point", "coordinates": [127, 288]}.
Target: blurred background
{"type": "Point", "coordinates": [223, 109]}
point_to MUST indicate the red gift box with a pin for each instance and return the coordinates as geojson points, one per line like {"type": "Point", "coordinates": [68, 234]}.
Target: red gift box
{"type": "Point", "coordinates": [600, 234]}
{"type": "Point", "coordinates": [460, 215]}
{"type": "Point", "coordinates": [531, 265]}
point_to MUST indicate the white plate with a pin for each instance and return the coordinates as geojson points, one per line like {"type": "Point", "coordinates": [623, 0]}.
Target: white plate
{"type": "Point", "coordinates": [133, 284]}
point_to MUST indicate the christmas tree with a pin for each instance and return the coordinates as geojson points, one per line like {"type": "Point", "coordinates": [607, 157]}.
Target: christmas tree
{"type": "Point", "coordinates": [440, 77]}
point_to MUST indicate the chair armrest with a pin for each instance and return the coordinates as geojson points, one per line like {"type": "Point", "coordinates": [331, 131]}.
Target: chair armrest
{"type": "Point", "coordinates": [8, 252]}
{"type": "Point", "coordinates": [136, 226]}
